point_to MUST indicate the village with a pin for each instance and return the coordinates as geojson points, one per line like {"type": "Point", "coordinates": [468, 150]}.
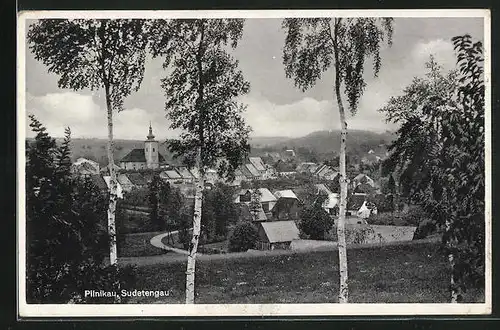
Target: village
{"type": "Point", "coordinates": [282, 181]}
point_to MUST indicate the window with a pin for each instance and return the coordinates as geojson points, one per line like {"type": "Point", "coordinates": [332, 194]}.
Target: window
{"type": "Point", "coordinates": [153, 149]}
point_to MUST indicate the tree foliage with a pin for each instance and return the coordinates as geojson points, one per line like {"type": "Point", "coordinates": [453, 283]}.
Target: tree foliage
{"type": "Point", "coordinates": [243, 238]}
{"type": "Point", "coordinates": [315, 221]}
{"type": "Point", "coordinates": [310, 50]}
{"type": "Point", "coordinates": [201, 88]}
{"type": "Point", "coordinates": [93, 53]}
{"type": "Point", "coordinates": [66, 236]}
{"type": "Point", "coordinates": [219, 212]}
{"type": "Point", "coordinates": [439, 154]}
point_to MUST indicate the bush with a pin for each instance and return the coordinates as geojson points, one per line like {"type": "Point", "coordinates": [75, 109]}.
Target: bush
{"type": "Point", "coordinates": [315, 222]}
{"type": "Point", "coordinates": [243, 238]}
{"type": "Point", "coordinates": [415, 217]}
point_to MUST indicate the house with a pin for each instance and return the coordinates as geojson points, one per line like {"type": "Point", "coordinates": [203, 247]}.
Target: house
{"type": "Point", "coordinates": [304, 167]}
{"type": "Point", "coordinates": [85, 167]}
{"type": "Point", "coordinates": [286, 208]}
{"type": "Point", "coordinates": [330, 205]}
{"type": "Point", "coordinates": [323, 189]}
{"type": "Point", "coordinates": [259, 166]}
{"type": "Point", "coordinates": [253, 171]}
{"type": "Point", "coordinates": [354, 203]}
{"type": "Point", "coordinates": [288, 193]}
{"type": "Point", "coordinates": [186, 176]}
{"type": "Point", "coordinates": [171, 176]}
{"type": "Point", "coordinates": [246, 174]}
{"type": "Point", "coordinates": [276, 235]}
{"type": "Point", "coordinates": [366, 210]}
{"type": "Point", "coordinates": [289, 153]}
{"type": "Point", "coordinates": [147, 157]}
{"type": "Point", "coordinates": [245, 214]}
{"type": "Point", "coordinates": [364, 188]}
{"type": "Point", "coordinates": [137, 179]}
{"type": "Point", "coordinates": [267, 199]}
{"type": "Point", "coordinates": [284, 168]}
{"type": "Point", "coordinates": [325, 172]}
{"type": "Point", "coordinates": [124, 181]}
{"type": "Point", "coordinates": [362, 178]}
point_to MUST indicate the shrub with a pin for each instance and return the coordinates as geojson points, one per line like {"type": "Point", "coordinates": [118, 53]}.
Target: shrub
{"type": "Point", "coordinates": [315, 222]}
{"type": "Point", "coordinates": [243, 237]}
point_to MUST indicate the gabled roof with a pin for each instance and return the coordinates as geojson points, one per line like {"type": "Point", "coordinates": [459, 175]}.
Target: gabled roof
{"type": "Point", "coordinates": [137, 179]}
{"type": "Point", "coordinates": [252, 169]}
{"type": "Point", "coordinates": [285, 194]}
{"type": "Point", "coordinates": [170, 174]}
{"type": "Point", "coordinates": [363, 178]}
{"type": "Point", "coordinates": [364, 188]}
{"type": "Point", "coordinates": [98, 181]}
{"type": "Point", "coordinates": [260, 216]}
{"type": "Point", "coordinates": [137, 155]}
{"type": "Point", "coordinates": [280, 231]}
{"type": "Point", "coordinates": [123, 179]}
{"type": "Point", "coordinates": [266, 195]}
{"type": "Point", "coordinates": [184, 173]}
{"type": "Point", "coordinates": [355, 202]}
{"type": "Point", "coordinates": [244, 170]}
{"type": "Point", "coordinates": [257, 163]}
{"type": "Point", "coordinates": [323, 189]}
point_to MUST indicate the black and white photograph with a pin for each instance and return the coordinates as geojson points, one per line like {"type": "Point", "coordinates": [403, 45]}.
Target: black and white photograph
{"type": "Point", "coordinates": [254, 163]}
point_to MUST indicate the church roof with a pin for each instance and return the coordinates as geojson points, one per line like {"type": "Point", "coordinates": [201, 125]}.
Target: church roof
{"type": "Point", "coordinates": [137, 155]}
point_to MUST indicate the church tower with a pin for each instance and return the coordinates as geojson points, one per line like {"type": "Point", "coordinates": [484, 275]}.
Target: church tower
{"type": "Point", "coordinates": [151, 150]}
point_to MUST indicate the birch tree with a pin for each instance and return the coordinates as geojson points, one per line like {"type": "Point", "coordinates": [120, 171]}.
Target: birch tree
{"type": "Point", "coordinates": [201, 88]}
{"type": "Point", "coordinates": [95, 54]}
{"type": "Point", "coordinates": [314, 45]}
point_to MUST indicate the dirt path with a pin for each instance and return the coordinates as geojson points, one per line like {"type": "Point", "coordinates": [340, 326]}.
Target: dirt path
{"type": "Point", "coordinates": [176, 257]}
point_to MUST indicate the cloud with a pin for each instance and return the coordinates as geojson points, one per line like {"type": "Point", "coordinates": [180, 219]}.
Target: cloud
{"type": "Point", "coordinates": [86, 118]}
{"type": "Point", "coordinates": [441, 49]}
{"type": "Point", "coordinates": [309, 115]}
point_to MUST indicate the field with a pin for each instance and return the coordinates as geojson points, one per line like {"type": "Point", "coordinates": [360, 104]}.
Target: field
{"type": "Point", "coordinates": [137, 245]}
{"type": "Point", "coordinates": [415, 273]}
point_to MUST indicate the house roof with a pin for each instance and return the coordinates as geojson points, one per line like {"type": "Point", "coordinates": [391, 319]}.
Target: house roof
{"type": "Point", "coordinates": [261, 215]}
{"type": "Point", "coordinates": [323, 189]}
{"type": "Point", "coordinates": [252, 169]}
{"type": "Point", "coordinates": [170, 174]}
{"type": "Point", "coordinates": [363, 178]}
{"type": "Point", "coordinates": [285, 194]}
{"type": "Point", "coordinates": [137, 179]}
{"type": "Point", "coordinates": [137, 155]}
{"type": "Point", "coordinates": [123, 179]}
{"type": "Point", "coordinates": [355, 202]}
{"type": "Point", "coordinates": [364, 188]}
{"type": "Point", "coordinates": [244, 170]}
{"type": "Point", "coordinates": [194, 171]}
{"type": "Point", "coordinates": [280, 231]}
{"type": "Point", "coordinates": [257, 163]}
{"type": "Point", "coordinates": [331, 201]}
{"type": "Point", "coordinates": [304, 167]}
{"type": "Point", "coordinates": [98, 181]}
{"type": "Point", "coordinates": [82, 160]}
{"type": "Point", "coordinates": [266, 195]}
{"type": "Point", "coordinates": [184, 173]}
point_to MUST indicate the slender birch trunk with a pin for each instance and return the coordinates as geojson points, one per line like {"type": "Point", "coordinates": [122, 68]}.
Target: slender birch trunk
{"type": "Point", "coordinates": [193, 246]}
{"type": "Point", "coordinates": [344, 288]}
{"type": "Point", "coordinates": [113, 256]}
{"type": "Point", "coordinates": [454, 289]}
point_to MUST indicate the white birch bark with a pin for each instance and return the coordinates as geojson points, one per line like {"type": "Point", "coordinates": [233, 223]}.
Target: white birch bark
{"type": "Point", "coordinates": [344, 287]}
{"type": "Point", "coordinates": [113, 186]}
{"type": "Point", "coordinates": [193, 247]}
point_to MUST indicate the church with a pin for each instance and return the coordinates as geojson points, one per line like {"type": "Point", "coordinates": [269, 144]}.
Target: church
{"type": "Point", "coordinates": [147, 158]}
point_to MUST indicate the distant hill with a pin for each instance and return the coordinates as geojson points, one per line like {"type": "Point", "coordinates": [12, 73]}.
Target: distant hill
{"type": "Point", "coordinates": [266, 141]}
{"type": "Point", "coordinates": [322, 142]}
{"type": "Point", "coordinates": [329, 141]}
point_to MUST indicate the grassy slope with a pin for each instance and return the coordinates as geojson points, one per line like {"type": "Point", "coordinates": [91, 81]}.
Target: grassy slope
{"type": "Point", "coordinates": [414, 273]}
{"type": "Point", "coordinates": [138, 245]}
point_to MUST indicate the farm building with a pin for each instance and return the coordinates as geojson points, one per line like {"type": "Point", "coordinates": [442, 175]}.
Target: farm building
{"type": "Point", "coordinates": [277, 235]}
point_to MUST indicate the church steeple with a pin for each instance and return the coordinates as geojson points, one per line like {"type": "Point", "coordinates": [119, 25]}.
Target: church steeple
{"type": "Point", "coordinates": [151, 148]}
{"type": "Point", "coordinates": [150, 135]}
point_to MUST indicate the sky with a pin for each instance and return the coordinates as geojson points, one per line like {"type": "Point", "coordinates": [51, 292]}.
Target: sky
{"type": "Point", "coordinates": [274, 106]}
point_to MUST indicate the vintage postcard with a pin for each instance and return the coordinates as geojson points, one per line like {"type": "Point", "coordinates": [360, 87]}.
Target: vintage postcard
{"type": "Point", "coordinates": [254, 163]}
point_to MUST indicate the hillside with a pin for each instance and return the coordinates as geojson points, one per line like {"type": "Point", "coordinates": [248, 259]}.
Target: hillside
{"type": "Point", "coordinates": [329, 141]}
{"type": "Point", "coordinates": [321, 143]}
